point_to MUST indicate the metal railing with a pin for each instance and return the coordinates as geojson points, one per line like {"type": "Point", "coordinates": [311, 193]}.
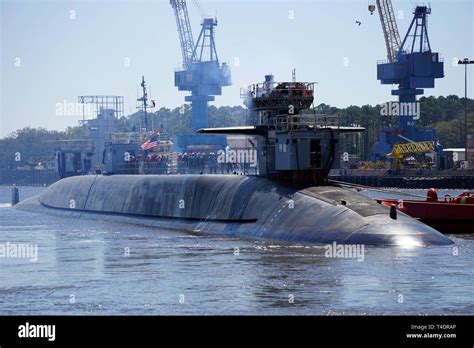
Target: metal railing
{"type": "Point", "coordinates": [435, 58]}
{"type": "Point", "coordinates": [285, 89]}
{"type": "Point", "coordinates": [303, 121]}
{"type": "Point", "coordinates": [142, 168]}
{"type": "Point", "coordinates": [31, 177]}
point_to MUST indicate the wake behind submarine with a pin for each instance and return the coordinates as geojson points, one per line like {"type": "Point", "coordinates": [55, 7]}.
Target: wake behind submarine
{"type": "Point", "coordinates": [289, 200]}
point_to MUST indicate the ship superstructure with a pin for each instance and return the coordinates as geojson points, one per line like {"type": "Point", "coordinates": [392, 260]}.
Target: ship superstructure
{"type": "Point", "coordinates": [292, 145]}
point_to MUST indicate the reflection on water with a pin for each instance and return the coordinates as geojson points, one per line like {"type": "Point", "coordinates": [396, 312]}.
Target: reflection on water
{"type": "Point", "coordinates": [96, 267]}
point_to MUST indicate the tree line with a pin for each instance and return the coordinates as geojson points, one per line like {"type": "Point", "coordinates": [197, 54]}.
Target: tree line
{"type": "Point", "coordinates": [445, 114]}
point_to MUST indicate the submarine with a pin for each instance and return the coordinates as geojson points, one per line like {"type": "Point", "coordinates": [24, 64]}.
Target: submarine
{"type": "Point", "coordinates": [289, 200]}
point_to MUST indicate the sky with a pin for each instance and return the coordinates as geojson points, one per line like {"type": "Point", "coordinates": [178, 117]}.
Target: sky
{"type": "Point", "coordinates": [53, 51]}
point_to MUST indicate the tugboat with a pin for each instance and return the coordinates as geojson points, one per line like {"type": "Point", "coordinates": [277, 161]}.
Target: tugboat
{"type": "Point", "coordinates": [289, 200]}
{"type": "Point", "coordinates": [451, 215]}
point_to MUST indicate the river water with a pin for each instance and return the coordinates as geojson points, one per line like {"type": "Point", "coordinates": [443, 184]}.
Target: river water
{"type": "Point", "coordinates": [103, 268]}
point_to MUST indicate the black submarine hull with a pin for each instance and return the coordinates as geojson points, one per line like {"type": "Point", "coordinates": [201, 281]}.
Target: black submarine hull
{"type": "Point", "coordinates": [235, 205]}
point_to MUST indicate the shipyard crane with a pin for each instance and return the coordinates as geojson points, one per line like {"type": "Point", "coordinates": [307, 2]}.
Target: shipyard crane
{"type": "Point", "coordinates": [184, 30]}
{"type": "Point", "coordinates": [389, 27]}
{"type": "Point", "coordinates": [412, 66]}
{"type": "Point", "coordinates": [201, 73]}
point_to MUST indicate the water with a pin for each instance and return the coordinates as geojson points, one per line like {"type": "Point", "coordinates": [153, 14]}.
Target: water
{"type": "Point", "coordinates": [83, 268]}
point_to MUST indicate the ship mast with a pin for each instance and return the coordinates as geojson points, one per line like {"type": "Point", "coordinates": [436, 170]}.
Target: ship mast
{"type": "Point", "coordinates": [143, 102]}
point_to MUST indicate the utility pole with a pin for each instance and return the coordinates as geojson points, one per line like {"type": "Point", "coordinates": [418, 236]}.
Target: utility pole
{"type": "Point", "coordinates": [465, 62]}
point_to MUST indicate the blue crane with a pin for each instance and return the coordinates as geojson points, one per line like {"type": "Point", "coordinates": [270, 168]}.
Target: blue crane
{"type": "Point", "coordinates": [412, 66]}
{"type": "Point", "coordinates": [201, 73]}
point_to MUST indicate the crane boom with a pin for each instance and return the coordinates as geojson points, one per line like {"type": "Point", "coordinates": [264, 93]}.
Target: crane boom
{"type": "Point", "coordinates": [418, 147]}
{"type": "Point", "coordinates": [184, 30]}
{"type": "Point", "coordinates": [200, 9]}
{"type": "Point", "coordinates": [389, 27]}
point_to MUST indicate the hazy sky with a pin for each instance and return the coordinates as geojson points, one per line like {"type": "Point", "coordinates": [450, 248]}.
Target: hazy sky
{"type": "Point", "coordinates": [54, 51]}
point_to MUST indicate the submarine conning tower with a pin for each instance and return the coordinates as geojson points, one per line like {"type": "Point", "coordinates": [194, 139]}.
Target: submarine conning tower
{"type": "Point", "coordinates": [292, 147]}
{"type": "Point", "coordinates": [293, 150]}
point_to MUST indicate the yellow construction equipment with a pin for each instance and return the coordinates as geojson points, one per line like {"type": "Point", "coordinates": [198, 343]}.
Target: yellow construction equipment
{"type": "Point", "coordinates": [401, 150]}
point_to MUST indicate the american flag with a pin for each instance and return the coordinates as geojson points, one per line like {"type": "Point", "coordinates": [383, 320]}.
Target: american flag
{"type": "Point", "coordinates": [150, 143]}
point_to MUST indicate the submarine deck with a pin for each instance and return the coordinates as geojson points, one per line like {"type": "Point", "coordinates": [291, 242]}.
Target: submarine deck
{"type": "Point", "coordinates": [239, 206]}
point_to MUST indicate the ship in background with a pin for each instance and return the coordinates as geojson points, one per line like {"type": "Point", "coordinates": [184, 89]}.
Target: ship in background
{"type": "Point", "coordinates": [103, 149]}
